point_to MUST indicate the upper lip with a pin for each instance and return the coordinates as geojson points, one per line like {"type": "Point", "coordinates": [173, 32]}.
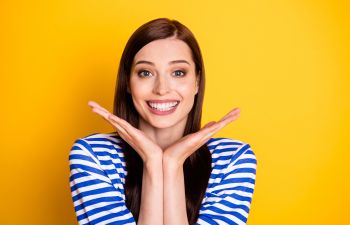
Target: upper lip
{"type": "Point", "coordinates": [163, 101]}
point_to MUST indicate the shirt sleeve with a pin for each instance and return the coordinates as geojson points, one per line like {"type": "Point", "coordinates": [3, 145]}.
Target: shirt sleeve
{"type": "Point", "coordinates": [96, 200]}
{"type": "Point", "coordinates": [229, 201]}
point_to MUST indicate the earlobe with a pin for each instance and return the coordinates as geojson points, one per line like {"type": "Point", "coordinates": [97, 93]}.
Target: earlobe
{"type": "Point", "coordinates": [197, 84]}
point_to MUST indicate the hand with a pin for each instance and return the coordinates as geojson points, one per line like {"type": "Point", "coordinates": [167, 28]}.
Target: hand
{"type": "Point", "coordinates": [177, 153]}
{"type": "Point", "coordinates": [136, 138]}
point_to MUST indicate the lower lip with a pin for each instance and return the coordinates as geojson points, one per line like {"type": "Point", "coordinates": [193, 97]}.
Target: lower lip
{"type": "Point", "coordinates": [162, 113]}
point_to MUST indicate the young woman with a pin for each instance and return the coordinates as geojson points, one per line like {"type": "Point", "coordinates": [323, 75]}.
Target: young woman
{"type": "Point", "coordinates": [160, 166]}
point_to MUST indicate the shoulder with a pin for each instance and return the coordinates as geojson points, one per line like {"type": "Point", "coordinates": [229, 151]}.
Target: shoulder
{"type": "Point", "coordinates": [231, 184]}
{"type": "Point", "coordinates": [99, 142]}
{"type": "Point", "coordinates": [101, 138]}
{"type": "Point", "coordinates": [100, 147]}
{"type": "Point", "coordinates": [233, 164]}
{"type": "Point", "coordinates": [227, 150]}
{"type": "Point", "coordinates": [100, 154]}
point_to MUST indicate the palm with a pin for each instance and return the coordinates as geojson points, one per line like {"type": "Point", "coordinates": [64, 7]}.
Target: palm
{"type": "Point", "coordinates": [188, 144]}
{"type": "Point", "coordinates": [136, 138]}
{"type": "Point", "coordinates": [146, 148]}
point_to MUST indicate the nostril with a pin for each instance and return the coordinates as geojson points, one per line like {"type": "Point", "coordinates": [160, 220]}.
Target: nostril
{"type": "Point", "coordinates": [161, 89]}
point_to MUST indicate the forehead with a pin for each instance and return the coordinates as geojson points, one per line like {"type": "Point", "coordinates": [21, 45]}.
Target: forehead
{"type": "Point", "coordinates": [164, 50]}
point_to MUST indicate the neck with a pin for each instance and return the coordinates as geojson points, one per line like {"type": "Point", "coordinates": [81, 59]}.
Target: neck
{"type": "Point", "coordinates": [163, 137]}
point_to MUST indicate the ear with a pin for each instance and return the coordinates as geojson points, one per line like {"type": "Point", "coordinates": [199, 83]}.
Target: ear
{"type": "Point", "coordinates": [197, 83]}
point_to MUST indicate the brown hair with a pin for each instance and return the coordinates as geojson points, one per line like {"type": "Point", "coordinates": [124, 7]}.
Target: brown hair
{"type": "Point", "coordinates": [198, 164]}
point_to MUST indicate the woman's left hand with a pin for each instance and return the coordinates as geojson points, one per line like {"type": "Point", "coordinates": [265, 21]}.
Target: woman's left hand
{"type": "Point", "coordinates": [177, 153]}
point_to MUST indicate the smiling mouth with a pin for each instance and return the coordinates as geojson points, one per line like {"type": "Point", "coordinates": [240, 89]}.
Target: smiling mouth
{"type": "Point", "coordinates": [164, 106]}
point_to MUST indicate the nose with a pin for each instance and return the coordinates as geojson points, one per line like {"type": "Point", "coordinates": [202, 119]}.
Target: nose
{"type": "Point", "coordinates": [161, 86]}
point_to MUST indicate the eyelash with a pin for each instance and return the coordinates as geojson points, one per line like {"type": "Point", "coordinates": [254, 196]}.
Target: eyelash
{"type": "Point", "coordinates": [182, 71]}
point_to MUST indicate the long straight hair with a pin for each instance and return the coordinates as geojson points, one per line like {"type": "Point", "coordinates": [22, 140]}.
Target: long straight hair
{"type": "Point", "coordinates": [197, 165]}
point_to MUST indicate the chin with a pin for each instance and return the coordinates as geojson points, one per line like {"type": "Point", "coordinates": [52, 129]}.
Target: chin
{"type": "Point", "coordinates": [163, 124]}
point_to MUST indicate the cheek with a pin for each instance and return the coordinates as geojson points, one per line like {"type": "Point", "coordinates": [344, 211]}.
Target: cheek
{"type": "Point", "coordinates": [138, 94]}
{"type": "Point", "coordinates": [138, 89]}
{"type": "Point", "coordinates": [187, 89]}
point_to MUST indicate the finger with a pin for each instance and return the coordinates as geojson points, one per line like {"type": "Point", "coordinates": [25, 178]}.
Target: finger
{"type": "Point", "coordinates": [201, 137]}
{"type": "Point", "coordinates": [231, 116]}
{"type": "Point", "coordinates": [132, 131]}
{"type": "Point", "coordinates": [218, 126]}
{"type": "Point", "coordinates": [127, 139]}
{"type": "Point", "coordinates": [132, 135]}
{"type": "Point", "coordinates": [226, 119]}
{"type": "Point", "coordinates": [101, 112]}
{"type": "Point", "coordinates": [93, 105]}
{"type": "Point", "coordinates": [209, 131]}
{"type": "Point", "coordinates": [208, 124]}
{"type": "Point", "coordinates": [211, 128]}
{"type": "Point", "coordinates": [122, 132]}
{"type": "Point", "coordinates": [118, 123]}
{"type": "Point", "coordinates": [235, 111]}
{"type": "Point", "coordinates": [223, 123]}
{"type": "Point", "coordinates": [110, 118]}
{"type": "Point", "coordinates": [106, 114]}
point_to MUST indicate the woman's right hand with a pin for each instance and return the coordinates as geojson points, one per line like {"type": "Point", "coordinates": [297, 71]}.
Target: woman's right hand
{"type": "Point", "coordinates": [137, 139]}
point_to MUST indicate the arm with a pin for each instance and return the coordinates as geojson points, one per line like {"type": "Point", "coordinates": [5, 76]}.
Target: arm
{"type": "Point", "coordinates": [174, 193]}
{"type": "Point", "coordinates": [174, 206]}
{"type": "Point", "coordinates": [94, 196]}
{"type": "Point", "coordinates": [97, 200]}
{"type": "Point", "coordinates": [173, 159]}
{"type": "Point", "coordinates": [151, 208]}
{"type": "Point", "coordinates": [230, 200]}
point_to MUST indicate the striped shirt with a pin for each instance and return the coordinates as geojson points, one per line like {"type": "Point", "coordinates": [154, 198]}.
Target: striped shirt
{"type": "Point", "coordinates": [97, 178]}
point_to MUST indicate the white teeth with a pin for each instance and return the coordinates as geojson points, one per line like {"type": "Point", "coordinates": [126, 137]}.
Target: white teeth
{"type": "Point", "coordinates": [163, 106]}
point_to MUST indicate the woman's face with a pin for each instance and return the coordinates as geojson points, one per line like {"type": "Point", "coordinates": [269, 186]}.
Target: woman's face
{"type": "Point", "coordinates": [163, 83]}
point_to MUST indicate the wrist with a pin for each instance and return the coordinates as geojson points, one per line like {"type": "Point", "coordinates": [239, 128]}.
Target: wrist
{"type": "Point", "coordinates": [171, 163]}
{"type": "Point", "coordinates": [154, 162]}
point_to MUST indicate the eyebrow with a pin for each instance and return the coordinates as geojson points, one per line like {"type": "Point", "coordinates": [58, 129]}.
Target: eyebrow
{"type": "Point", "coordinates": [171, 62]}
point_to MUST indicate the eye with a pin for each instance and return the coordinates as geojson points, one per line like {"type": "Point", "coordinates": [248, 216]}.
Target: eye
{"type": "Point", "coordinates": [144, 73]}
{"type": "Point", "coordinates": [179, 73]}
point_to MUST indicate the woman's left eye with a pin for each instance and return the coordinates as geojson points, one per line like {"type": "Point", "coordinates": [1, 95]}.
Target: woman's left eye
{"type": "Point", "coordinates": [179, 73]}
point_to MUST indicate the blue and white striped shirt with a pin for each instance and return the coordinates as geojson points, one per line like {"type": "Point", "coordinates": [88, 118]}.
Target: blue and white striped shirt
{"type": "Point", "coordinates": [97, 178]}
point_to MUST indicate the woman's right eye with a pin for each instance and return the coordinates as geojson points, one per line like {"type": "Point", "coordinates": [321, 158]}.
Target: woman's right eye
{"type": "Point", "coordinates": [144, 73]}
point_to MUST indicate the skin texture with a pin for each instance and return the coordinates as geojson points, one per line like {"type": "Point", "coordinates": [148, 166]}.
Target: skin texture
{"type": "Point", "coordinates": [158, 139]}
{"type": "Point", "coordinates": [163, 80]}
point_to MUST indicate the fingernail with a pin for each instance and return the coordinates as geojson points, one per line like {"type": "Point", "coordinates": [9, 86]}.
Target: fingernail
{"type": "Point", "coordinates": [91, 103]}
{"type": "Point", "coordinates": [235, 111]}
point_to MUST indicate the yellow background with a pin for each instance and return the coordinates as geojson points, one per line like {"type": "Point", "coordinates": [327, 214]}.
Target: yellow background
{"type": "Point", "coordinates": [284, 63]}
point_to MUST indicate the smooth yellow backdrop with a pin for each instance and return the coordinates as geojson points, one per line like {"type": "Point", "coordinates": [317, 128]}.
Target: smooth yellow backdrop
{"type": "Point", "coordinates": [284, 63]}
